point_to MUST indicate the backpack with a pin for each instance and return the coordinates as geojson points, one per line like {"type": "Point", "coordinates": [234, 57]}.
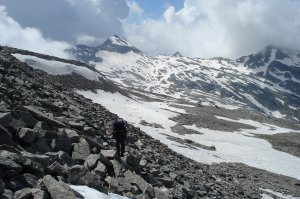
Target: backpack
{"type": "Point", "coordinates": [119, 129]}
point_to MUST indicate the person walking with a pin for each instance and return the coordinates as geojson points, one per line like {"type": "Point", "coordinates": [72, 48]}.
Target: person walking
{"type": "Point", "coordinates": [120, 134]}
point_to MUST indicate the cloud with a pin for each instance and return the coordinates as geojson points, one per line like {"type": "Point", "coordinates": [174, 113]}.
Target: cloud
{"type": "Point", "coordinates": [13, 34]}
{"type": "Point", "coordinates": [69, 20]}
{"type": "Point", "coordinates": [228, 28]}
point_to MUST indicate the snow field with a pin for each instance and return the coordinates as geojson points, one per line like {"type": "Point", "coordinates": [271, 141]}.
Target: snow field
{"type": "Point", "coordinates": [240, 146]}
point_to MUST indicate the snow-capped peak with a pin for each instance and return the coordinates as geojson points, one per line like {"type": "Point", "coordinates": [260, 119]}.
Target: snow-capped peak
{"type": "Point", "coordinates": [116, 40]}
{"type": "Point", "coordinates": [116, 44]}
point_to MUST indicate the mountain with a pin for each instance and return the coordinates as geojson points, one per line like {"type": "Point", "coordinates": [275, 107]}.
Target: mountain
{"type": "Point", "coordinates": [177, 54]}
{"type": "Point", "coordinates": [195, 129]}
{"type": "Point", "coordinates": [267, 81]}
{"type": "Point", "coordinates": [86, 53]}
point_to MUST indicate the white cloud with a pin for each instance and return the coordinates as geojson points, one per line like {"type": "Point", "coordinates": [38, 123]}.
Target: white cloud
{"type": "Point", "coordinates": [228, 28]}
{"type": "Point", "coordinates": [13, 34]}
{"type": "Point", "coordinates": [69, 19]}
{"type": "Point", "coordinates": [134, 8]}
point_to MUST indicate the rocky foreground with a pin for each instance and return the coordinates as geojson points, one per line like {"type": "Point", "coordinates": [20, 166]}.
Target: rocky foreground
{"type": "Point", "coordinates": [51, 137]}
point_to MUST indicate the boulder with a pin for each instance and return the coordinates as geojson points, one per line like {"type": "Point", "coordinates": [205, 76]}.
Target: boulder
{"type": "Point", "coordinates": [9, 167]}
{"type": "Point", "coordinates": [162, 193]}
{"type": "Point", "coordinates": [22, 181]}
{"type": "Point", "coordinates": [8, 194]}
{"type": "Point", "coordinates": [1, 187]}
{"type": "Point", "coordinates": [92, 180]}
{"type": "Point", "coordinates": [92, 161]}
{"type": "Point", "coordinates": [27, 135]}
{"type": "Point", "coordinates": [55, 169]}
{"type": "Point", "coordinates": [117, 167]}
{"type": "Point", "coordinates": [81, 150]}
{"type": "Point", "coordinates": [58, 190]}
{"type": "Point", "coordinates": [5, 136]}
{"type": "Point", "coordinates": [110, 154]}
{"type": "Point", "coordinates": [5, 118]}
{"type": "Point", "coordinates": [137, 180]}
{"type": "Point", "coordinates": [41, 159]}
{"type": "Point", "coordinates": [41, 116]}
{"type": "Point", "coordinates": [64, 159]}
{"type": "Point", "coordinates": [61, 142]}
{"type": "Point", "coordinates": [75, 172]}
{"type": "Point", "coordinates": [100, 170]}
{"type": "Point", "coordinates": [31, 193]}
{"type": "Point", "coordinates": [72, 135]}
{"type": "Point", "coordinates": [25, 117]}
{"type": "Point", "coordinates": [133, 160]}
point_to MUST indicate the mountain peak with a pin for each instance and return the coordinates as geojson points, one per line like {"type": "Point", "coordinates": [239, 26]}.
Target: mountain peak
{"type": "Point", "coordinates": [177, 54]}
{"type": "Point", "coordinates": [117, 44]}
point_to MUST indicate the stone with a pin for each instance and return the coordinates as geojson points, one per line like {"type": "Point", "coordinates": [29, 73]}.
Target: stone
{"type": "Point", "coordinates": [100, 170]}
{"type": "Point", "coordinates": [9, 167]}
{"type": "Point", "coordinates": [55, 169]}
{"type": "Point", "coordinates": [22, 181]}
{"type": "Point", "coordinates": [58, 190]}
{"type": "Point", "coordinates": [106, 162]}
{"type": "Point", "coordinates": [5, 118]}
{"type": "Point", "coordinates": [1, 187]}
{"type": "Point", "coordinates": [61, 142]}
{"type": "Point", "coordinates": [8, 194]}
{"type": "Point", "coordinates": [64, 159]}
{"type": "Point", "coordinates": [41, 116]}
{"type": "Point", "coordinates": [26, 118]}
{"type": "Point", "coordinates": [92, 161]}
{"type": "Point", "coordinates": [136, 179]}
{"type": "Point", "coordinates": [117, 167]}
{"type": "Point", "coordinates": [92, 180]}
{"type": "Point", "coordinates": [133, 160]}
{"type": "Point", "coordinates": [27, 193]}
{"type": "Point", "coordinates": [81, 150]}
{"type": "Point", "coordinates": [75, 172]}
{"type": "Point", "coordinates": [27, 135]}
{"type": "Point", "coordinates": [5, 136]}
{"type": "Point", "coordinates": [41, 159]}
{"type": "Point", "coordinates": [161, 193]}
{"type": "Point", "coordinates": [110, 154]}
{"type": "Point", "coordinates": [72, 135]}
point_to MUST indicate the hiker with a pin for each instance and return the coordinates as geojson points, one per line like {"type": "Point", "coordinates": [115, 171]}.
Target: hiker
{"type": "Point", "coordinates": [120, 134]}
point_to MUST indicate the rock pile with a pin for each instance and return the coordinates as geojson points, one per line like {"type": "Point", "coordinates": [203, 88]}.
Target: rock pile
{"type": "Point", "coordinates": [51, 137]}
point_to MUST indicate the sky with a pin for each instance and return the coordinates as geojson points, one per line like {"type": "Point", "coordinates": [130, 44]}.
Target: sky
{"type": "Point", "coordinates": [195, 28]}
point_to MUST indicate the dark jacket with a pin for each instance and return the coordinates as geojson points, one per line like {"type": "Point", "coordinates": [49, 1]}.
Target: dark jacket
{"type": "Point", "coordinates": [119, 130]}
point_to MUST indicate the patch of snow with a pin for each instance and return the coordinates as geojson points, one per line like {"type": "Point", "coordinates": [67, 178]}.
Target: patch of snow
{"type": "Point", "coordinates": [57, 68]}
{"type": "Point", "coordinates": [89, 193]}
{"type": "Point", "coordinates": [280, 195]}
{"type": "Point", "coordinates": [240, 146]}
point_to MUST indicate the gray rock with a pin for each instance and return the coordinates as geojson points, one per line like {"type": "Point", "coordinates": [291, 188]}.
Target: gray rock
{"type": "Point", "coordinates": [5, 136]}
{"type": "Point", "coordinates": [1, 187]}
{"type": "Point", "coordinates": [61, 142]}
{"type": "Point", "coordinates": [30, 193]}
{"type": "Point", "coordinates": [58, 190]}
{"type": "Point", "coordinates": [81, 150]}
{"type": "Point", "coordinates": [55, 169]}
{"type": "Point", "coordinates": [72, 135]}
{"type": "Point", "coordinates": [75, 172]}
{"type": "Point", "coordinates": [100, 170]}
{"type": "Point", "coordinates": [92, 161]}
{"type": "Point", "coordinates": [110, 154]}
{"type": "Point", "coordinates": [22, 181]}
{"type": "Point", "coordinates": [117, 167]}
{"type": "Point", "coordinates": [41, 159]}
{"type": "Point", "coordinates": [133, 160]}
{"type": "Point", "coordinates": [162, 193]}
{"type": "Point", "coordinates": [41, 116]}
{"type": "Point", "coordinates": [27, 135]}
{"type": "Point", "coordinates": [64, 159]}
{"type": "Point", "coordinates": [136, 179]}
{"type": "Point", "coordinates": [9, 167]}
{"type": "Point", "coordinates": [8, 194]}
{"type": "Point", "coordinates": [93, 181]}
{"type": "Point", "coordinates": [5, 118]}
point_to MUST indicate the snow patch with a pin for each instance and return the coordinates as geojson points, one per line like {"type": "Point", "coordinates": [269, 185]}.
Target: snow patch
{"type": "Point", "coordinates": [89, 193]}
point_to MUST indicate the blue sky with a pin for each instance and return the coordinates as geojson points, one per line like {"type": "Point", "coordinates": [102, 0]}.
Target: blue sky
{"type": "Point", "coordinates": [156, 8]}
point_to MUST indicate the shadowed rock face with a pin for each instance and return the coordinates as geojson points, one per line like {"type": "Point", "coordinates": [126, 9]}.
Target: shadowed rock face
{"type": "Point", "coordinates": [51, 130]}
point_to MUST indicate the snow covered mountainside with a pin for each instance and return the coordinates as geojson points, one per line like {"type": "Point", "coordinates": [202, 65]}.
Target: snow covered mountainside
{"type": "Point", "coordinates": [209, 110]}
{"type": "Point", "coordinates": [268, 81]}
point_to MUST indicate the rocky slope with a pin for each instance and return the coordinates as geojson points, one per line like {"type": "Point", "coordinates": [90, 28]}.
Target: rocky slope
{"type": "Point", "coordinates": [51, 137]}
